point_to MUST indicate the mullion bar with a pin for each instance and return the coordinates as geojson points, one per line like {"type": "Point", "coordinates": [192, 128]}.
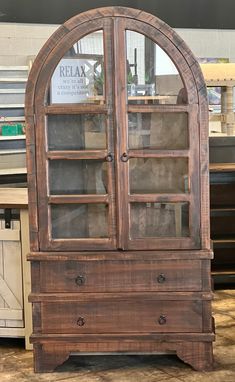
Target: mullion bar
{"type": "Point", "coordinates": [159, 198]}
{"type": "Point", "coordinates": [77, 154]}
{"type": "Point", "coordinates": [156, 153]}
{"type": "Point", "coordinates": [77, 109]}
{"type": "Point", "coordinates": [74, 199]}
{"type": "Point", "coordinates": [158, 108]}
{"type": "Point", "coordinates": [109, 96]}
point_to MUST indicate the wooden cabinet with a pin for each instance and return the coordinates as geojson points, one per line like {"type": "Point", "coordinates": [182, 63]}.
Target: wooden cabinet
{"type": "Point", "coordinates": [118, 192]}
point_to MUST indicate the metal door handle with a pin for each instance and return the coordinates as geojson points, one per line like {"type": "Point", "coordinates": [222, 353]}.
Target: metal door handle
{"type": "Point", "coordinates": [109, 157]}
{"type": "Point", "coordinates": [124, 157]}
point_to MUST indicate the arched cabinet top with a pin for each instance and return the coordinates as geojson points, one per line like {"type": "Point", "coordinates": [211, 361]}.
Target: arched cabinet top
{"type": "Point", "coordinates": [136, 20]}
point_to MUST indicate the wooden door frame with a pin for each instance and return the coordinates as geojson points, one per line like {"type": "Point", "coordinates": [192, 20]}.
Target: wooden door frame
{"type": "Point", "coordinates": [188, 68]}
{"type": "Point", "coordinates": [122, 108]}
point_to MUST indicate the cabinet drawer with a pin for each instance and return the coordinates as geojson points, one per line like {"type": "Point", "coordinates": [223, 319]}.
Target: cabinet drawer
{"type": "Point", "coordinates": [119, 316]}
{"type": "Point", "coordinates": [111, 276]}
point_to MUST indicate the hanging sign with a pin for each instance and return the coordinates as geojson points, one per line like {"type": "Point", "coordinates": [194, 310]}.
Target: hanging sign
{"type": "Point", "coordinates": [72, 81]}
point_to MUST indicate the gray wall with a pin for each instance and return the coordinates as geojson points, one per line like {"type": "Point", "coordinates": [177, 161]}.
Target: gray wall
{"type": "Point", "coordinates": [18, 42]}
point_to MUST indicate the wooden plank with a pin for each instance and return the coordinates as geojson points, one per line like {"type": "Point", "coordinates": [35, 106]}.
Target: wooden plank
{"type": "Point", "coordinates": [109, 94]}
{"type": "Point", "coordinates": [10, 234]}
{"type": "Point", "coordinates": [11, 314]}
{"type": "Point", "coordinates": [12, 286]}
{"type": "Point", "coordinates": [156, 153]}
{"type": "Point", "coordinates": [78, 154]}
{"type": "Point", "coordinates": [13, 79]}
{"type": "Point", "coordinates": [14, 119]}
{"type": "Point", "coordinates": [61, 199]}
{"type": "Point", "coordinates": [2, 303]}
{"type": "Point", "coordinates": [121, 133]}
{"type": "Point", "coordinates": [25, 247]}
{"type": "Point", "coordinates": [222, 167]}
{"type": "Point", "coordinates": [76, 109]}
{"type": "Point", "coordinates": [161, 243]}
{"type": "Point", "coordinates": [162, 337]}
{"type": "Point", "coordinates": [159, 198]}
{"type": "Point", "coordinates": [12, 332]}
{"type": "Point", "coordinates": [11, 106]}
{"type": "Point", "coordinates": [12, 266]}
{"type": "Point", "coordinates": [8, 296]}
{"type": "Point", "coordinates": [131, 296]}
{"type": "Point", "coordinates": [14, 68]}
{"type": "Point", "coordinates": [13, 197]}
{"type": "Point", "coordinates": [83, 244]}
{"type": "Point", "coordinates": [157, 108]}
{"type": "Point", "coordinates": [12, 91]}
{"type": "Point", "coordinates": [120, 255]}
{"type": "Point", "coordinates": [15, 323]}
{"type": "Point", "coordinates": [13, 171]}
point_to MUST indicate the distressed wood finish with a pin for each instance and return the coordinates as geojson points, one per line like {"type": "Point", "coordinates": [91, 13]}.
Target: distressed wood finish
{"type": "Point", "coordinates": [11, 299]}
{"type": "Point", "coordinates": [117, 292]}
{"type": "Point", "coordinates": [128, 315]}
{"type": "Point", "coordinates": [109, 276]}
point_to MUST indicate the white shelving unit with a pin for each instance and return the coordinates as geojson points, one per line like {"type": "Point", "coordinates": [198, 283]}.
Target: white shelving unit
{"type": "Point", "coordinates": [12, 93]}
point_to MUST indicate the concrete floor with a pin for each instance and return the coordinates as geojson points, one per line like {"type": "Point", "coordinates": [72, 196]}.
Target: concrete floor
{"type": "Point", "coordinates": [16, 364]}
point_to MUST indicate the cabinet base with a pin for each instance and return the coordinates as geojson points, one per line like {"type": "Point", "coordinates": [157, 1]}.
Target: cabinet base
{"type": "Point", "coordinates": [49, 355]}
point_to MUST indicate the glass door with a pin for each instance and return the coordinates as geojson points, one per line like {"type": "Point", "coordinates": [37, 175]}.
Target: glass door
{"type": "Point", "coordinates": [117, 142]}
{"type": "Point", "coordinates": [78, 200]}
{"type": "Point", "coordinates": [158, 147]}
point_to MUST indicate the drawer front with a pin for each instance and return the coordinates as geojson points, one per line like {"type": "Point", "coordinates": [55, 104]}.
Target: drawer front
{"type": "Point", "coordinates": [111, 276]}
{"type": "Point", "coordinates": [121, 316]}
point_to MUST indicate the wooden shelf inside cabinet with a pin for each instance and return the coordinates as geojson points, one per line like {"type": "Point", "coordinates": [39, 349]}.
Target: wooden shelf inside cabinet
{"type": "Point", "coordinates": [224, 275]}
{"type": "Point", "coordinates": [222, 215]}
{"type": "Point", "coordinates": [222, 167]}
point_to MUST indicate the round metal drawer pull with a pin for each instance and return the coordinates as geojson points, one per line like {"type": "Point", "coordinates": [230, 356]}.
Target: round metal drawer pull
{"type": "Point", "coordinates": [162, 320]}
{"type": "Point", "coordinates": [80, 280]}
{"type": "Point", "coordinates": [81, 321]}
{"type": "Point", "coordinates": [109, 157]}
{"type": "Point", "coordinates": [161, 278]}
{"type": "Point", "coordinates": [124, 157]}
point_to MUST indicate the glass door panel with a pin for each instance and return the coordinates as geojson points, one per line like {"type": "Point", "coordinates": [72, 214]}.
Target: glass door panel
{"type": "Point", "coordinates": [161, 131]}
{"type": "Point", "coordinates": [159, 151]}
{"type": "Point", "coordinates": [79, 149]}
{"type": "Point", "coordinates": [79, 221]}
{"type": "Point", "coordinates": [79, 76]}
{"type": "Point", "coordinates": [151, 77]}
{"type": "Point", "coordinates": [85, 176]}
{"type": "Point", "coordinates": [158, 175]}
{"type": "Point", "coordinates": [77, 132]}
{"type": "Point", "coordinates": [158, 220]}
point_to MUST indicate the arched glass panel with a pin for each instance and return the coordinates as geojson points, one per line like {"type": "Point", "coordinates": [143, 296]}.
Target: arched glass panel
{"type": "Point", "coordinates": [152, 77]}
{"type": "Point", "coordinates": [79, 76]}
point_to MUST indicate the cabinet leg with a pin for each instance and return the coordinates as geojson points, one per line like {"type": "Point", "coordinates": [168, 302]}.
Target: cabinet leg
{"type": "Point", "coordinates": [46, 360]}
{"type": "Point", "coordinates": [197, 354]}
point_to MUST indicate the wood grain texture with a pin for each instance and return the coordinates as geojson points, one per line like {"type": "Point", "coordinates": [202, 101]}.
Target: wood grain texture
{"type": "Point", "coordinates": [124, 337]}
{"type": "Point", "coordinates": [121, 255]}
{"type": "Point", "coordinates": [88, 292]}
{"type": "Point", "coordinates": [127, 315]}
{"type": "Point", "coordinates": [121, 276]}
{"type": "Point", "coordinates": [48, 355]}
